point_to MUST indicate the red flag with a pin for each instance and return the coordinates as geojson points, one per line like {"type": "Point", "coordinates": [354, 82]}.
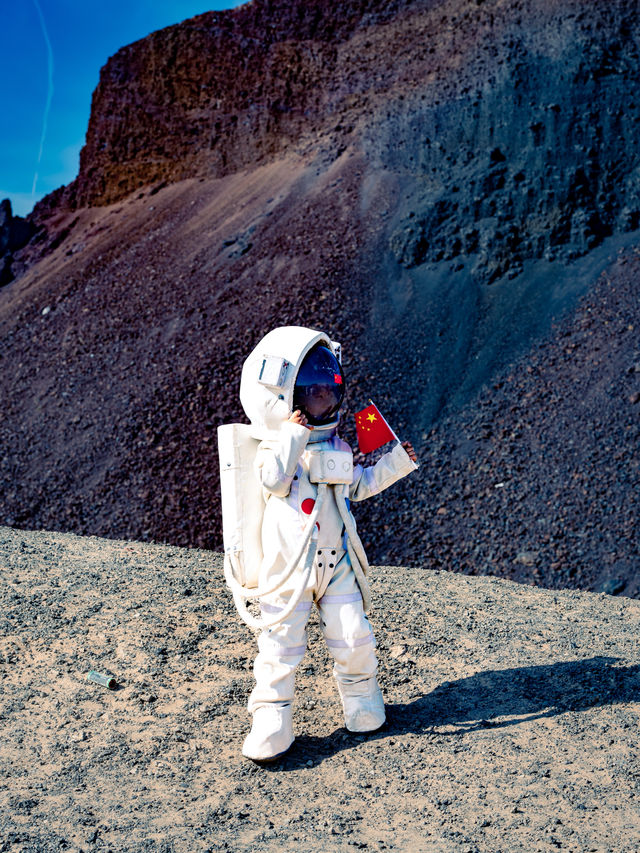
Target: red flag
{"type": "Point", "coordinates": [373, 430]}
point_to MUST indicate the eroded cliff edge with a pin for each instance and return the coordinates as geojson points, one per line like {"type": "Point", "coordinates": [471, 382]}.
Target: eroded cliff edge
{"type": "Point", "coordinates": [512, 127]}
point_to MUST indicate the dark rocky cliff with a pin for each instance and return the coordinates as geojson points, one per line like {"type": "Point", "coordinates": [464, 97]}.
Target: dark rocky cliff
{"type": "Point", "coordinates": [15, 233]}
{"type": "Point", "coordinates": [543, 163]}
{"type": "Point", "coordinates": [519, 135]}
{"type": "Point", "coordinates": [219, 92]}
{"type": "Point", "coordinates": [436, 183]}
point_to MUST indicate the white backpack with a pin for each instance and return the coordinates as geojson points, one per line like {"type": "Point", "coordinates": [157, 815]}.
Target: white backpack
{"type": "Point", "coordinates": [242, 503]}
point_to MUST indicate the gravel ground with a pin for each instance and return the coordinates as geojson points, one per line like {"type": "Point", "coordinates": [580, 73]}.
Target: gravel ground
{"type": "Point", "coordinates": [512, 714]}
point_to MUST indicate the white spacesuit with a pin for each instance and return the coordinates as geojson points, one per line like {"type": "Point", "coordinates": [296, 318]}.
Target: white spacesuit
{"type": "Point", "coordinates": [311, 552]}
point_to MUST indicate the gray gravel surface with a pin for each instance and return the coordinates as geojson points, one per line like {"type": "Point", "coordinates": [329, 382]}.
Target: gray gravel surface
{"type": "Point", "coordinates": [512, 714]}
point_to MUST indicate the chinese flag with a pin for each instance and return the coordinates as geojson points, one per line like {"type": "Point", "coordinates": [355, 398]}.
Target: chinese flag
{"type": "Point", "coordinates": [372, 429]}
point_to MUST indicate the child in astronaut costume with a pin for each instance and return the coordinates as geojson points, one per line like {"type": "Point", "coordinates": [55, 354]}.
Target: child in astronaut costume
{"type": "Point", "coordinates": [291, 389]}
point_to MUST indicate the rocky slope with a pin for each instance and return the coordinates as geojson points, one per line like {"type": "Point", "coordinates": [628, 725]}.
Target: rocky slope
{"type": "Point", "coordinates": [515, 138]}
{"type": "Point", "coordinates": [512, 714]}
{"type": "Point", "coordinates": [444, 186]}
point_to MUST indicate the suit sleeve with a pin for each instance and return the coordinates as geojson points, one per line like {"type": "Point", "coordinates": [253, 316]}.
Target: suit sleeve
{"type": "Point", "coordinates": [390, 468]}
{"type": "Point", "coordinates": [277, 460]}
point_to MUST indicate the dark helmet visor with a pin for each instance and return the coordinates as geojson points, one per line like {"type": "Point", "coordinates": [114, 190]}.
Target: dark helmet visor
{"type": "Point", "coordinates": [319, 388]}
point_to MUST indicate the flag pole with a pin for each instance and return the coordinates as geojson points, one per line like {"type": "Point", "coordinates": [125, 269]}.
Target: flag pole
{"type": "Point", "coordinates": [391, 430]}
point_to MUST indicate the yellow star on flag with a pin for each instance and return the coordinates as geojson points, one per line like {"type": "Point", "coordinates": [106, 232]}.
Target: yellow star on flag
{"type": "Point", "coordinates": [373, 431]}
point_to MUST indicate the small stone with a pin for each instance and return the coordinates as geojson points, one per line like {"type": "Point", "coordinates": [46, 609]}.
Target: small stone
{"type": "Point", "coordinates": [613, 586]}
{"type": "Point", "coordinates": [396, 652]}
{"type": "Point", "coordinates": [634, 398]}
{"type": "Point", "coordinates": [526, 558]}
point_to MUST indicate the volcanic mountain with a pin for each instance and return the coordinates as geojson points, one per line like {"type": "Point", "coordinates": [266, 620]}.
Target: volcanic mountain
{"type": "Point", "coordinates": [449, 188]}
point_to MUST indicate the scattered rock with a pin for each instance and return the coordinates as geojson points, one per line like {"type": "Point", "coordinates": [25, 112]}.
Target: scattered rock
{"type": "Point", "coordinates": [526, 558]}
{"type": "Point", "coordinates": [397, 651]}
{"type": "Point", "coordinates": [613, 586]}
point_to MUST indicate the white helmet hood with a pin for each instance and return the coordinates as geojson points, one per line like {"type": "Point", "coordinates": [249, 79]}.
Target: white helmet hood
{"type": "Point", "coordinates": [277, 359]}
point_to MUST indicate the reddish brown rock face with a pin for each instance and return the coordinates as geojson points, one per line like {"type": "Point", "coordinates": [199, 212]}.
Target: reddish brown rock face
{"type": "Point", "coordinates": [219, 92]}
{"type": "Point", "coordinates": [435, 184]}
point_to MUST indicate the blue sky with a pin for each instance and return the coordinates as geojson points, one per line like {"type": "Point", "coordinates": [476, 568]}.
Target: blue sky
{"type": "Point", "coordinates": [51, 52]}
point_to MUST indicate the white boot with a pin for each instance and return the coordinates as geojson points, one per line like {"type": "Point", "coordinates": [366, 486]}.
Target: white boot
{"type": "Point", "coordinates": [271, 734]}
{"type": "Point", "coordinates": [363, 705]}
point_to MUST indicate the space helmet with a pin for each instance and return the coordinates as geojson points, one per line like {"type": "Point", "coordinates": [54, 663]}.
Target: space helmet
{"type": "Point", "coordinates": [292, 368]}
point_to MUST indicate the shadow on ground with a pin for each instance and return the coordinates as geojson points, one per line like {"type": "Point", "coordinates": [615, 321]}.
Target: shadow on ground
{"type": "Point", "coordinates": [488, 699]}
